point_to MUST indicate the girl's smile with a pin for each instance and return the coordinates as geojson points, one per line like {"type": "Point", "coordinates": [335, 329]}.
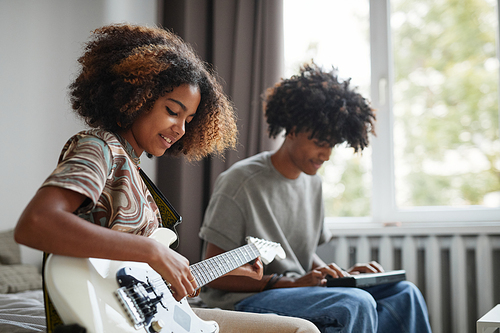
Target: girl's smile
{"type": "Point", "coordinates": [157, 130]}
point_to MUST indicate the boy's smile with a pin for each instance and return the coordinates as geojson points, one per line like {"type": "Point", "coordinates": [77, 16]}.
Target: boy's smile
{"type": "Point", "coordinates": [299, 154]}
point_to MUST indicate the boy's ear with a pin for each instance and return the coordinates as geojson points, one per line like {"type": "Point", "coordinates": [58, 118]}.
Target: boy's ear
{"type": "Point", "coordinates": [293, 132]}
{"type": "Point", "coordinates": [291, 135]}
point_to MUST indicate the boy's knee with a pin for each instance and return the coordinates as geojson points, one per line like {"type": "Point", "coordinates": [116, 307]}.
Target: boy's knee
{"type": "Point", "coordinates": [365, 300]}
{"type": "Point", "coordinates": [408, 290]}
{"type": "Point", "coordinates": [358, 311]}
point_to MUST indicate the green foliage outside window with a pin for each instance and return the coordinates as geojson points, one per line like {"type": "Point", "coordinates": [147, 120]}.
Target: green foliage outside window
{"type": "Point", "coordinates": [446, 139]}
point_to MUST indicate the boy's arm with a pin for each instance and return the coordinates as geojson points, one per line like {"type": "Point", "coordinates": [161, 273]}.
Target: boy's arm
{"type": "Point", "coordinates": [315, 277]}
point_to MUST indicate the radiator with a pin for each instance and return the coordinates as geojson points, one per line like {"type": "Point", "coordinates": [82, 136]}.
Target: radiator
{"type": "Point", "coordinates": [457, 269]}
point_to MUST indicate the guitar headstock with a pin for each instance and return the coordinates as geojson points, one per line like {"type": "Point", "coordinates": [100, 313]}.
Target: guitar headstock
{"type": "Point", "coordinates": [268, 250]}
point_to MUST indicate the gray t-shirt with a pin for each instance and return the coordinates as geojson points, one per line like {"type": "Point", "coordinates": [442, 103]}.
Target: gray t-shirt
{"type": "Point", "coordinates": [253, 199]}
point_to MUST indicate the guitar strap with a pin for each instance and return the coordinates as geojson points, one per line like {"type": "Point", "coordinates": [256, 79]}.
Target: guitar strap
{"type": "Point", "coordinates": [52, 318]}
{"type": "Point", "coordinates": [169, 216]}
{"type": "Point", "coordinates": [170, 219]}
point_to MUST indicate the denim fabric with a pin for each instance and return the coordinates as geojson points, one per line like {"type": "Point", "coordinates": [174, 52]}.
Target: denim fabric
{"type": "Point", "coordinates": [390, 308]}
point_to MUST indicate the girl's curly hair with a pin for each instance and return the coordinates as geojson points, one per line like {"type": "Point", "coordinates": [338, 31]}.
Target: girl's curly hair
{"type": "Point", "coordinates": [317, 101]}
{"type": "Point", "coordinates": [126, 68]}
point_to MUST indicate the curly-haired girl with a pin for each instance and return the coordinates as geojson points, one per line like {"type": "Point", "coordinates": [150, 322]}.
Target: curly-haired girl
{"type": "Point", "coordinates": [141, 90]}
{"type": "Point", "coordinates": [126, 69]}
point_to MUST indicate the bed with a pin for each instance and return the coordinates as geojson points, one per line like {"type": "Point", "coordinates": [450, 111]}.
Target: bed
{"type": "Point", "coordinates": [21, 295]}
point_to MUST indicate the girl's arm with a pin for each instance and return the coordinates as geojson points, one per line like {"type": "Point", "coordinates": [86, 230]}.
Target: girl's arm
{"type": "Point", "coordinates": [48, 224]}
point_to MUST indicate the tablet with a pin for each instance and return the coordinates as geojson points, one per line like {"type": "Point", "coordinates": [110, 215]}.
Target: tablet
{"type": "Point", "coordinates": [367, 279]}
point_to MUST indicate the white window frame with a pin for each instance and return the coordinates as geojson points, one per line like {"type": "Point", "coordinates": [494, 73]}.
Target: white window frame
{"type": "Point", "coordinates": [384, 208]}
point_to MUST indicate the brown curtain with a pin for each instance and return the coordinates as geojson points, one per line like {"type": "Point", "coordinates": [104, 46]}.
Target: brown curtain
{"type": "Point", "coordinates": [243, 39]}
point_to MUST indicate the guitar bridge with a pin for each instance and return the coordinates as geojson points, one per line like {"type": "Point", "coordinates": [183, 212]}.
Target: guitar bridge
{"type": "Point", "coordinates": [138, 296]}
{"type": "Point", "coordinates": [131, 308]}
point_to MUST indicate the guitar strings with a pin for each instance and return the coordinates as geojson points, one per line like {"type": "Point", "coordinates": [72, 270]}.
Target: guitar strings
{"type": "Point", "coordinates": [202, 271]}
{"type": "Point", "coordinates": [243, 254]}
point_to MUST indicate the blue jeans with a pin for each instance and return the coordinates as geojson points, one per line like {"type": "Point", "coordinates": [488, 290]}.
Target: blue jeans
{"type": "Point", "coordinates": [396, 307]}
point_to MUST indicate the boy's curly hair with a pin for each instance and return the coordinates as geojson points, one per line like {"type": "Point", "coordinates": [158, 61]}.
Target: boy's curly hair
{"type": "Point", "coordinates": [316, 101]}
{"type": "Point", "coordinates": [126, 68]}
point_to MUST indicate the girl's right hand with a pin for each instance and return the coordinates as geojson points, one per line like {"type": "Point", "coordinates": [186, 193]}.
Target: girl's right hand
{"type": "Point", "coordinates": [174, 268]}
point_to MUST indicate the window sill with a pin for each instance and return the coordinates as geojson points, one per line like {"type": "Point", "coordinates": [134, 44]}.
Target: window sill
{"type": "Point", "coordinates": [362, 226]}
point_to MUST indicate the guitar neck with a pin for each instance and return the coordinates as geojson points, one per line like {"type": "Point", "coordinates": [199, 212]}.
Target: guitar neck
{"type": "Point", "coordinates": [210, 269]}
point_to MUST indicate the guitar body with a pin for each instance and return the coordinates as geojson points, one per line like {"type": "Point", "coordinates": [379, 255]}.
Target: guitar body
{"type": "Point", "coordinates": [107, 296]}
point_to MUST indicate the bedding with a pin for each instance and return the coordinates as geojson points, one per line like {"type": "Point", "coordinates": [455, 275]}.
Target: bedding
{"type": "Point", "coordinates": [22, 312]}
{"type": "Point", "coordinates": [21, 295]}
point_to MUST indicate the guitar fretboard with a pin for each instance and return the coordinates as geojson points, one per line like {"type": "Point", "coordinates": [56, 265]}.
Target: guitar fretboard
{"type": "Point", "coordinates": [210, 269]}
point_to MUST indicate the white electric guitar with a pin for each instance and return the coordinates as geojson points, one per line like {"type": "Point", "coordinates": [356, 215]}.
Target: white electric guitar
{"type": "Point", "coordinates": [107, 296]}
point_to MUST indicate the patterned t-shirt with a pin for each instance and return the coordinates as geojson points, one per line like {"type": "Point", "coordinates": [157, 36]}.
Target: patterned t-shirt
{"type": "Point", "coordinates": [104, 167]}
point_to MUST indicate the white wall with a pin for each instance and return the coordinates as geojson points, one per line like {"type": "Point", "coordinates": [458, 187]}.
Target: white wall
{"type": "Point", "coordinates": [40, 42]}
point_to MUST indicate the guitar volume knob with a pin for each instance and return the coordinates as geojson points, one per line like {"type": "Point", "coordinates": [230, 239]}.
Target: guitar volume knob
{"type": "Point", "coordinates": [157, 325]}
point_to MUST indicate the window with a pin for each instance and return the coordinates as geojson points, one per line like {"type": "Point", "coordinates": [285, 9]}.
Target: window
{"type": "Point", "coordinates": [431, 70]}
